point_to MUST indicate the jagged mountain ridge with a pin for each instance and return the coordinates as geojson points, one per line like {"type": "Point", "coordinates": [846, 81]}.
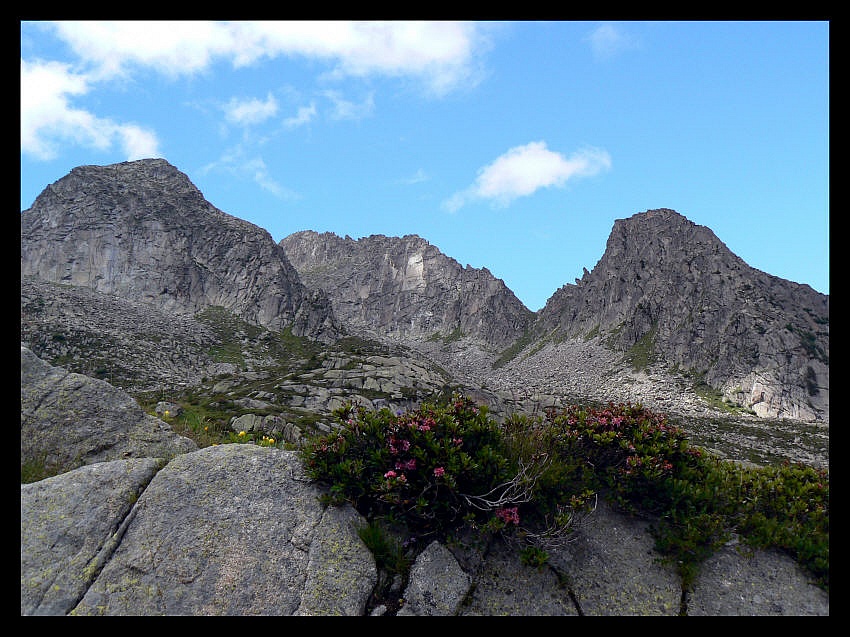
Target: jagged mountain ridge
{"type": "Point", "coordinates": [665, 287]}
{"type": "Point", "coordinates": [673, 288]}
{"type": "Point", "coordinates": [143, 231]}
{"type": "Point", "coordinates": [406, 288]}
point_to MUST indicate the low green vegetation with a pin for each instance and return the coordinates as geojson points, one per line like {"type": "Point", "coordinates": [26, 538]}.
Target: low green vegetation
{"type": "Point", "coordinates": [593, 333]}
{"type": "Point", "coordinates": [642, 354]}
{"type": "Point", "coordinates": [38, 468]}
{"type": "Point", "coordinates": [714, 397]}
{"type": "Point", "coordinates": [511, 352]}
{"type": "Point", "coordinates": [448, 468]}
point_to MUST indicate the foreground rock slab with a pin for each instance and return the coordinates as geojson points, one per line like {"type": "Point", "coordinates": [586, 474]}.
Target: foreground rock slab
{"type": "Point", "coordinates": [239, 530]}
{"type": "Point", "coordinates": [739, 581]}
{"type": "Point", "coordinates": [70, 524]}
{"type": "Point", "coordinates": [228, 530]}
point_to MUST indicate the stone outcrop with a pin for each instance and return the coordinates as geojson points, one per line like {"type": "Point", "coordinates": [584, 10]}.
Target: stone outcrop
{"type": "Point", "coordinates": [405, 288]}
{"type": "Point", "coordinates": [238, 529]}
{"type": "Point", "coordinates": [133, 345]}
{"type": "Point", "coordinates": [141, 230]}
{"type": "Point", "coordinates": [669, 289]}
{"type": "Point", "coordinates": [69, 420]}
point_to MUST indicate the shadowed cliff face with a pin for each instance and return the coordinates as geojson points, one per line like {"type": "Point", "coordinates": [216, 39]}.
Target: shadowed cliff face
{"type": "Point", "coordinates": [670, 286]}
{"type": "Point", "coordinates": [143, 231]}
{"type": "Point", "coordinates": [405, 287]}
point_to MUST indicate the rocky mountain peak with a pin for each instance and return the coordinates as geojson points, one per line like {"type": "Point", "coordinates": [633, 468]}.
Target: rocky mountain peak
{"type": "Point", "coordinates": [666, 293]}
{"type": "Point", "coordinates": [672, 290]}
{"type": "Point", "coordinates": [143, 231]}
{"type": "Point", "coordinates": [404, 287]}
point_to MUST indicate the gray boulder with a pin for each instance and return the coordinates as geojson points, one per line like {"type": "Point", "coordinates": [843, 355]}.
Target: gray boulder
{"type": "Point", "coordinates": [69, 420]}
{"type": "Point", "coordinates": [227, 530]}
{"type": "Point", "coordinates": [437, 585]}
{"type": "Point", "coordinates": [739, 581]}
{"type": "Point", "coordinates": [614, 568]}
{"type": "Point", "coordinates": [70, 524]}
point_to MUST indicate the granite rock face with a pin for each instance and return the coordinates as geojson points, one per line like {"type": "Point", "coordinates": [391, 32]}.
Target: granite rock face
{"type": "Point", "coordinates": [237, 530]}
{"type": "Point", "coordinates": [405, 288]}
{"type": "Point", "coordinates": [667, 295]}
{"type": "Point", "coordinates": [141, 230]}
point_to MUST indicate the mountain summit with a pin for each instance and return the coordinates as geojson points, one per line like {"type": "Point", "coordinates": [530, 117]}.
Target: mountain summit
{"type": "Point", "coordinates": [669, 290]}
{"type": "Point", "coordinates": [405, 287]}
{"type": "Point", "coordinates": [141, 230]}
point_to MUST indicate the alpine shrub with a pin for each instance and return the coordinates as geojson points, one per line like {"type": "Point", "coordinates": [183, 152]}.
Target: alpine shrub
{"type": "Point", "coordinates": [427, 468]}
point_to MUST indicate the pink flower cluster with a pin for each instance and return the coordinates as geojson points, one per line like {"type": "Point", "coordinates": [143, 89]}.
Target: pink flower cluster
{"type": "Point", "coordinates": [509, 515]}
{"type": "Point", "coordinates": [635, 462]}
{"type": "Point", "coordinates": [439, 472]}
{"type": "Point", "coordinates": [397, 446]}
{"type": "Point", "coordinates": [400, 477]}
{"type": "Point", "coordinates": [410, 465]}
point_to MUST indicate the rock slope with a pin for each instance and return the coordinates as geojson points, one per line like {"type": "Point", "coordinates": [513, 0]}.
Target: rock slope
{"type": "Point", "coordinates": [667, 297]}
{"type": "Point", "coordinates": [668, 289]}
{"type": "Point", "coordinates": [68, 420]}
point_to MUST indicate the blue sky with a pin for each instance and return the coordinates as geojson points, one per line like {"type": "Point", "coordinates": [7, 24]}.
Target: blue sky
{"type": "Point", "coordinates": [507, 145]}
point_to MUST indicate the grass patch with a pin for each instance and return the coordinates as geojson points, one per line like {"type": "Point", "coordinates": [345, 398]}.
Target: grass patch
{"type": "Point", "coordinates": [642, 354]}
{"type": "Point", "coordinates": [714, 397]}
{"type": "Point", "coordinates": [511, 352]}
{"type": "Point", "coordinates": [593, 333]}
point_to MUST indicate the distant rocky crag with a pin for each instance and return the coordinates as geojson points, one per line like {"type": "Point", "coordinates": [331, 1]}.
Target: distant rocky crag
{"type": "Point", "coordinates": [667, 310]}
{"type": "Point", "coordinates": [405, 288]}
{"type": "Point", "coordinates": [667, 295]}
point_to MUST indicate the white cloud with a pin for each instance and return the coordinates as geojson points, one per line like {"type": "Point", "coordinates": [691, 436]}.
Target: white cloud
{"type": "Point", "coordinates": [137, 142]}
{"type": "Point", "coordinates": [235, 162]}
{"type": "Point", "coordinates": [441, 54]}
{"type": "Point", "coordinates": [305, 115]}
{"type": "Point", "coordinates": [258, 171]}
{"type": "Point", "coordinates": [416, 178]}
{"type": "Point", "coordinates": [346, 109]}
{"type": "Point", "coordinates": [609, 40]}
{"type": "Point", "coordinates": [172, 48]}
{"type": "Point", "coordinates": [523, 170]}
{"type": "Point", "coordinates": [47, 117]}
{"type": "Point", "coordinates": [251, 111]}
